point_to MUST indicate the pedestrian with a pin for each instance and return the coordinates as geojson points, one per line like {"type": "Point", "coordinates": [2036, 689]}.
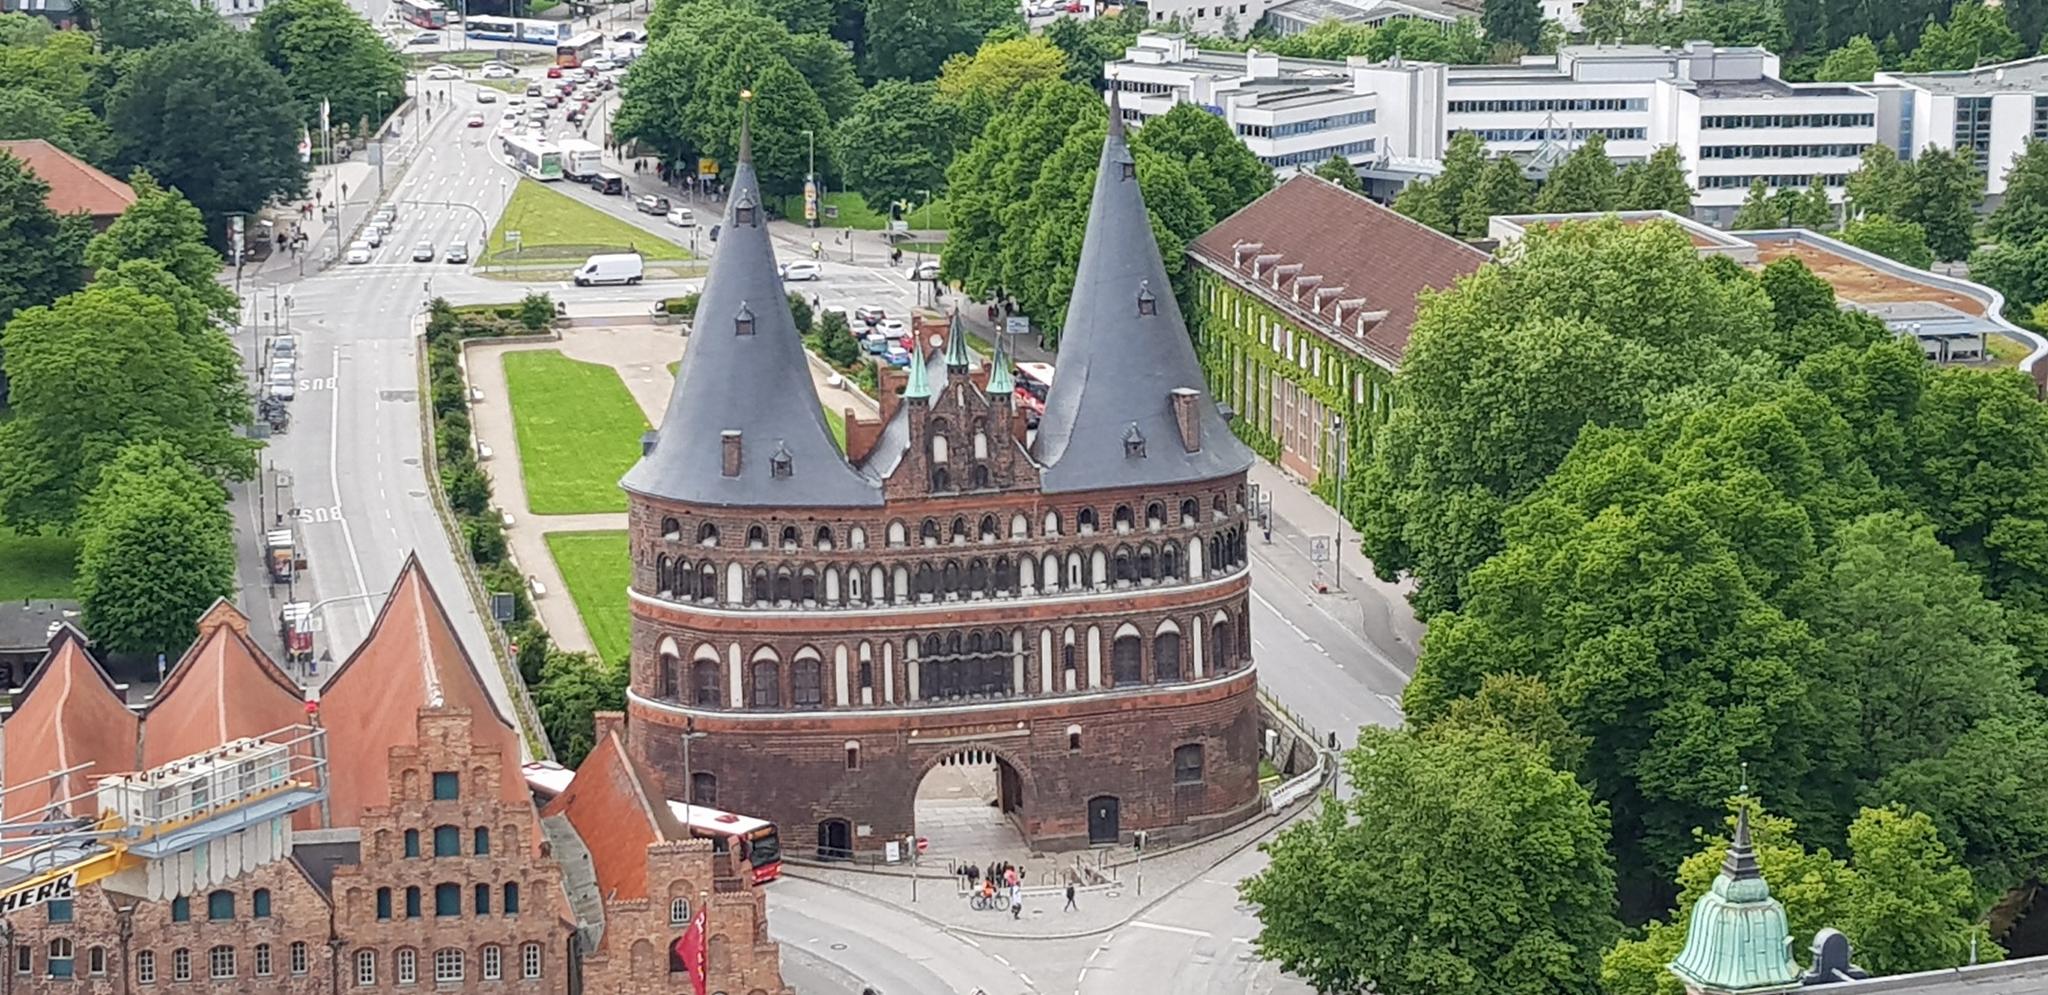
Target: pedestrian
{"type": "Point", "coordinates": [1010, 877]}
{"type": "Point", "coordinates": [1016, 903]}
{"type": "Point", "coordinates": [1071, 907]}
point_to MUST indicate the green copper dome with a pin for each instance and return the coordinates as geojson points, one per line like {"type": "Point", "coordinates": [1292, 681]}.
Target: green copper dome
{"type": "Point", "coordinates": [1738, 940]}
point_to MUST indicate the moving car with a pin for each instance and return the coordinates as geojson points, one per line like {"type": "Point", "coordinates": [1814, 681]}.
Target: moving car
{"type": "Point", "coordinates": [487, 96]}
{"type": "Point", "coordinates": [869, 315]}
{"type": "Point", "coordinates": [499, 72]}
{"type": "Point", "coordinates": [423, 38]}
{"type": "Point", "coordinates": [444, 72]}
{"type": "Point", "coordinates": [651, 204]}
{"type": "Point", "coordinates": [384, 215]}
{"type": "Point", "coordinates": [627, 35]}
{"type": "Point", "coordinates": [599, 64]}
{"type": "Point", "coordinates": [575, 114]}
{"type": "Point", "coordinates": [476, 120]}
{"type": "Point", "coordinates": [533, 89]}
{"type": "Point", "coordinates": [554, 72]}
{"type": "Point", "coordinates": [515, 100]}
{"type": "Point", "coordinates": [458, 252]}
{"type": "Point", "coordinates": [373, 235]}
{"type": "Point", "coordinates": [927, 270]}
{"type": "Point", "coordinates": [423, 252]}
{"type": "Point", "coordinates": [608, 183]}
{"type": "Point", "coordinates": [552, 100]}
{"type": "Point", "coordinates": [358, 253]}
{"type": "Point", "coordinates": [611, 267]}
{"type": "Point", "coordinates": [682, 218]}
{"type": "Point", "coordinates": [801, 269]}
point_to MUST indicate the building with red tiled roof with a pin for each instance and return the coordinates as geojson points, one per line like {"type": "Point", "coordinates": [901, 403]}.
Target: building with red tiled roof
{"type": "Point", "coordinates": [224, 687]}
{"type": "Point", "coordinates": [69, 714]}
{"type": "Point", "coordinates": [1304, 301]}
{"type": "Point", "coordinates": [75, 186]}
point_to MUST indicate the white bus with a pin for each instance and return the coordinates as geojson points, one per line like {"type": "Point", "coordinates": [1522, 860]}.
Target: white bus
{"type": "Point", "coordinates": [485, 28]}
{"type": "Point", "coordinates": [581, 160]}
{"type": "Point", "coordinates": [535, 156]}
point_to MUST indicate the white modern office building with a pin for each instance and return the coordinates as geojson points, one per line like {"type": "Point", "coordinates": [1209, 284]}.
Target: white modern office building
{"type": "Point", "coordinates": [1726, 110]}
{"type": "Point", "coordinates": [1990, 112]}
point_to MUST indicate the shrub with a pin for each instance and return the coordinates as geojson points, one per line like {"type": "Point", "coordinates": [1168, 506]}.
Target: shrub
{"type": "Point", "coordinates": [537, 312]}
{"type": "Point", "coordinates": [682, 307]}
{"type": "Point", "coordinates": [800, 312]}
{"type": "Point", "coordinates": [486, 539]}
{"type": "Point", "coordinates": [469, 491]}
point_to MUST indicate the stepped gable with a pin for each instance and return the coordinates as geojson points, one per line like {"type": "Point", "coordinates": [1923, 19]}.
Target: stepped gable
{"type": "Point", "coordinates": [618, 813]}
{"type": "Point", "coordinates": [69, 713]}
{"type": "Point", "coordinates": [1118, 414]}
{"type": "Point", "coordinates": [744, 426]}
{"type": "Point", "coordinates": [224, 687]}
{"type": "Point", "coordinates": [411, 660]}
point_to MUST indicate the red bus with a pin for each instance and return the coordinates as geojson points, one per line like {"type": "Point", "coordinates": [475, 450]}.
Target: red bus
{"type": "Point", "coordinates": [760, 847]}
{"type": "Point", "coordinates": [1034, 381]}
{"type": "Point", "coordinates": [578, 49]}
{"type": "Point", "coordinates": [422, 13]}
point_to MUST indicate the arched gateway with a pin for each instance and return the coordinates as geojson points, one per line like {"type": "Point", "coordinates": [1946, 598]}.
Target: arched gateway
{"type": "Point", "coordinates": [817, 630]}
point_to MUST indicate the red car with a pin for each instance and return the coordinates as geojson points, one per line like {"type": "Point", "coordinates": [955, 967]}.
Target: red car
{"type": "Point", "coordinates": [554, 72]}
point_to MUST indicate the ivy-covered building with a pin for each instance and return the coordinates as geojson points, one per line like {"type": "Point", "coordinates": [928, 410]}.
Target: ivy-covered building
{"type": "Point", "coordinates": [1303, 302]}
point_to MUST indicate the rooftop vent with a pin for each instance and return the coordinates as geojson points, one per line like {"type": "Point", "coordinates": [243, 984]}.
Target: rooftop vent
{"type": "Point", "coordinates": [782, 464]}
{"type": "Point", "coordinates": [743, 209]}
{"type": "Point", "coordinates": [1134, 442]}
{"type": "Point", "coordinates": [743, 322]}
{"type": "Point", "coordinates": [729, 452]}
{"type": "Point", "coordinates": [1186, 417]}
{"type": "Point", "coordinates": [1147, 304]}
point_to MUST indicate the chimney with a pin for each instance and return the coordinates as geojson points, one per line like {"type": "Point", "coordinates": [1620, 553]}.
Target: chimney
{"type": "Point", "coordinates": [1187, 418]}
{"type": "Point", "coordinates": [647, 440]}
{"type": "Point", "coordinates": [729, 452]}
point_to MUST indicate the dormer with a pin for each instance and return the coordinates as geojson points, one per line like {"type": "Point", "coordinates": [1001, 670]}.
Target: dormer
{"type": "Point", "coordinates": [1324, 295]}
{"type": "Point", "coordinates": [1241, 250]}
{"type": "Point", "coordinates": [1282, 272]}
{"type": "Point", "coordinates": [1309, 282]}
{"type": "Point", "coordinates": [1263, 260]}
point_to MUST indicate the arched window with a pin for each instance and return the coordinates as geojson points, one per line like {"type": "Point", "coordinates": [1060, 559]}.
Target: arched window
{"type": "Point", "coordinates": [1003, 578]}
{"type": "Point", "coordinates": [987, 531]}
{"type": "Point", "coordinates": [1124, 522]}
{"type": "Point", "coordinates": [59, 962]}
{"type": "Point", "coordinates": [671, 529]}
{"type": "Point", "coordinates": [665, 677]}
{"type": "Point", "coordinates": [757, 537]}
{"type": "Point", "coordinates": [1166, 656]}
{"type": "Point", "coordinates": [259, 903]}
{"type": "Point", "coordinates": [1147, 564]}
{"type": "Point", "coordinates": [707, 581]}
{"type": "Point", "coordinates": [1085, 520]}
{"type": "Point", "coordinates": [704, 787]}
{"type": "Point", "coordinates": [679, 912]}
{"type": "Point", "coordinates": [262, 960]}
{"type": "Point", "coordinates": [1216, 505]}
{"type": "Point", "coordinates": [1155, 515]}
{"type": "Point", "coordinates": [897, 536]}
{"type": "Point", "coordinates": [406, 965]}
{"type": "Point", "coordinates": [767, 680]}
{"type": "Point", "coordinates": [493, 958]}
{"type": "Point", "coordinates": [220, 962]}
{"type": "Point", "coordinates": [806, 683]}
{"type": "Point", "coordinates": [958, 533]}
{"type": "Point", "coordinates": [1220, 656]}
{"type": "Point", "coordinates": [707, 534]}
{"type": "Point", "coordinates": [867, 670]}
{"type": "Point", "coordinates": [1052, 523]}
{"type": "Point", "coordinates": [412, 902]}
{"type": "Point", "coordinates": [761, 589]}
{"type": "Point", "coordinates": [704, 684]}
{"type": "Point", "coordinates": [939, 451]}
{"type": "Point", "coordinates": [1126, 571]}
{"type": "Point", "coordinates": [823, 540]}
{"type": "Point", "coordinates": [949, 577]}
{"type": "Point", "coordinates": [941, 480]}
{"type": "Point", "coordinates": [448, 965]}
{"type": "Point", "coordinates": [1169, 560]}
{"type": "Point", "coordinates": [807, 586]}
{"type": "Point", "coordinates": [481, 897]}
{"type": "Point", "coordinates": [790, 538]}
{"type": "Point", "coordinates": [1020, 527]}
{"type": "Point", "coordinates": [366, 968]}
{"type": "Point", "coordinates": [383, 903]}
{"type": "Point", "coordinates": [980, 477]}
{"type": "Point", "coordinates": [662, 583]}
{"type": "Point", "coordinates": [929, 532]}
{"type": "Point", "coordinates": [220, 905]}
{"type": "Point", "coordinates": [1189, 510]}
{"type": "Point", "coordinates": [927, 581]}
{"type": "Point", "coordinates": [1127, 665]}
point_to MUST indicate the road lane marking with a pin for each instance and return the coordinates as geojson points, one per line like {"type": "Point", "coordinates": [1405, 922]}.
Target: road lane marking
{"type": "Point", "coordinates": [1000, 959]}
{"type": "Point", "coordinates": [1289, 623]}
{"type": "Point", "coordinates": [334, 474]}
{"type": "Point", "coordinates": [1162, 927]}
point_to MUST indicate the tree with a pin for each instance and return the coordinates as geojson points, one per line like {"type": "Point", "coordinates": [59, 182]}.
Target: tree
{"type": "Point", "coordinates": [1972, 35]}
{"type": "Point", "coordinates": [1758, 210]}
{"type": "Point", "coordinates": [2023, 214]}
{"type": "Point", "coordinates": [1902, 241]}
{"type": "Point", "coordinates": [156, 548]}
{"type": "Point", "coordinates": [1222, 169]}
{"type": "Point", "coordinates": [976, 85]}
{"type": "Point", "coordinates": [328, 51]}
{"type": "Point", "coordinates": [912, 39]}
{"type": "Point", "coordinates": [1813, 210]}
{"type": "Point", "coordinates": [246, 107]}
{"type": "Point", "coordinates": [997, 171]}
{"type": "Point", "coordinates": [573, 687]}
{"type": "Point", "coordinates": [1855, 62]}
{"type": "Point", "coordinates": [1518, 21]}
{"type": "Point", "coordinates": [143, 24]}
{"type": "Point", "coordinates": [164, 227]}
{"type": "Point", "coordinates": [25, 113]}
{"type": "Point", "coordinates": [2017, 270]}
{"type": "Point", "coordinates": [1091, 43]}
{"type": "Point", "coordinates": [1982, 793]}
{"type": "Point", "coordinates": [1734, 22]}
{"type": "Point", "coordinates": [1585, 181]}
{"type": "Point", "coordinates": [1340, 171]}
{"type": "Point", "coordinates": [41, 253]}
{"type": "Point", "coordinates": [1626, 21]}
{"type": "Point", "coordinates": [144, 386]}
{"type": "Point", "coordinates": [1900, 899]}
{"type": "Point", "coordinates": [1659, 185]}
{"type": "Point", "coordinates": [1463, 863]}
{"type": "Point", "coordinates": [1439, 201]}
{"type": "Point", "coordinates": [836, 341]}
{"type": "Point", "coordinates": [1881, 184]}
{"type": "Point", "coordinates": [1502, 189]}
{"type": "Point", "coordinates": [896, 143]}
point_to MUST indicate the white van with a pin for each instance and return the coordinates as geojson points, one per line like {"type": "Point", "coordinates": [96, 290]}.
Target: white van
{"type": "Point", "coordinates": [616, 267]}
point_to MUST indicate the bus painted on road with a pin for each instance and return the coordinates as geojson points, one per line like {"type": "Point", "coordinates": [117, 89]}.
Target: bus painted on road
{"type": "Point", "coordinates": [535, 156]}
{"type": "Point", "coordinates": [579, 49]}
{"type": "Point", "coordinates": [422, 13]}
{"type": "Point", "coordinates": [516, 30]}
{"type": "Point", "coordinates": [759, 845]}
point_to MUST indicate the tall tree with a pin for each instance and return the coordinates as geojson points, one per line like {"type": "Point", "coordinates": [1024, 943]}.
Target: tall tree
{"type": "Point", "coordinates": [1734, 22]}
{"type": "Point", "coordinates": [1501, 189]}
{"type": "Point", "coordinates": [1584, 181]}
{"type": "Point", "coordinates": [146, 386]}
{"type": "Point", "coordinates": [1855, 62]}
{"type": "Point", "coordinates": [1758, 210]}
{"type": "Point", "coordinates": [1981, 792]}
{"type": "Point", "coordinates": [1464, 862]}
{"type": "Point", "coordinates": [1881, 183]}
{"type": "Point", "coordinates": [2022, 216]}
{"type": "Point", "coordinates": [1091, 43]}
{"type": "Point", "coordinates": [246, 106]}
{"type": "Point", "coordinates": [977, 85]}
{"type": "Point", "coordinates": [156, 548]}
{"type": "Point", "coordinates": [896, 143]}
{"type": "Point", "coordinates": [41, 253]}
{"type": "Point", "coordinates": [998, 170]}
{"type": "Point", "coordinates": [164, 227]}
{"type": "Point", "coordinates": [1626, 21]}
{"type": "Point", "coordinates": [1340, 171]}
{"type": "Point", "coordinates": [1946, 190]}
{"type": "Point", "coordinates": [328, 51]}
{"type": "Point", "coordinates": [572, 688]}
{"type": "Point", "coordinates": [140, 24]}
{"type": "Point", "coordinates": [1222, 169]}
{"type": "Point", "coordinates": [1902, 241]}
{"type": "Point", "coordinates": [1439, 201]}
{"type": "Point", "coordinates": [1518, 21]}
{"type": "Point", "coordinates": [912, 39]}
{"type": "Point", "coordinates": [1972, 35]}
{"type": "Point", "coordinates": [1659, 185]}
{"type": "Point", "coordinates": [1814, 209]}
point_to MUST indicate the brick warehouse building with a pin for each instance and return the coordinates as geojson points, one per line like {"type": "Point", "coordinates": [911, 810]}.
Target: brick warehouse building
{"type": "Point", "coordinates": [428, 865]}
{"type": "Point", "coordinates": [815, 631]}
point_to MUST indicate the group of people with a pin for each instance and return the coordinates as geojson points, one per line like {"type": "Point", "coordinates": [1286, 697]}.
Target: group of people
{"type": "Point", "coordinates": [1003, 875]}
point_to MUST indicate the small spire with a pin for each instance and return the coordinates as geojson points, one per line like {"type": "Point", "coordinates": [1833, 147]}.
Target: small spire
{"type": "Point", "coordinates": [920, 386]}
{"type": "Point", "coordinates": [1116, 116]}
{"type": "Point", "coordinates": [1000, 386]}
{"type": "Point", "coordinates": [1740, 864]}
{"type": "Point", "coordinates": [746, 126]}
{"type": "Point", "coordinates": [956, 345]}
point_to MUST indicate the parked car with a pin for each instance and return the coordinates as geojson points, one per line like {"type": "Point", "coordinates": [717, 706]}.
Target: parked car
{"type": "Point", "coordinates": [608, 183]}
{"type": "Point", "coordinates": [682, 218]}
{"type": "Point", "coordinates": [476, 120]}
{"type": "Point", "coordinates": [423, 38]}
{"type": "Point", "coordinates": [373, 235]}
{"type": "Point", "coordinates": [651, 204]}
{"type": "Point", "coordinates": [384, 215]}
{"type": "Point", "coordinates": [890, 328]}
{"type": "Point", "coordinates": [423, 252]}
{"type": "Point", "coordinates": [444, 72]}
{"type": "Point", "coordinates": [358, 253]}
{"type": "Point", "coordinates": [875, 344]}
{"type": "Point", "coordinates": [516, 100]}
{"type": "Point", "coordinates": [869, 315]}
{"type": "Point", "coordinates": [487, 96]}
{"type": "Point", "coordinates": [458, 252]}
{"type": "Point", "coordinates": [600, 64]}
{"type": "Point", "coordinates": [801, 269]}
{"type": "Point", "coordinates": [897, 355]}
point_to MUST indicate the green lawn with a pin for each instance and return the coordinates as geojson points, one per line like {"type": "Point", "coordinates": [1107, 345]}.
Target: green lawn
{"type": "Point", "coordinates": [507, 85]}
{"type": "Point", "coordinates": [2005, 351]}
{"type": "Point", "coordinates": [36, 566]}
{"type": "Point", "coordinates": [854, 212]}
{"type": "Point", "coordinates": [579, 432]}
{"type": "Point", "coordinates": [598, 567]}
{"type": "Point", "coordinates": [554, 227]}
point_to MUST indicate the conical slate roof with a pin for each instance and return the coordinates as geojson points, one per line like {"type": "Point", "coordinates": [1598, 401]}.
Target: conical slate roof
{"type": "Point", "coordinates": [1123, 352]}
{"type": "Point", "coordinates": [744, 372]}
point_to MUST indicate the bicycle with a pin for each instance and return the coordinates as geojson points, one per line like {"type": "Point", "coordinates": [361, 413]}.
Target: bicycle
{"type": "Point", "coordinates": [986, 903]}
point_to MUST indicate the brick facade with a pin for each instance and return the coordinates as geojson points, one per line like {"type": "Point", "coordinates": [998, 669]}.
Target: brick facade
{"type": "Point", "coordinates": [635, 957]}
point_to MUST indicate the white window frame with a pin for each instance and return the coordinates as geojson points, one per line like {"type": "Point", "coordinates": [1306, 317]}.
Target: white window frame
{"type": "Point", "coordinates": [679, 908]}
{"type": "Point", "coordinates": [299, 957]}
{"type": "Point", "coordinates": [529, 961]}
{"type": "Point", "coordinates": [145, 967]}
{"type": "Point", "coordinates": [449, 965]}
{"type": "Point", "coordinates": [181, 964]}
{"type": "Point", "coordinates": [406, 966]}
{"type": "Point", "coordinates": [262, 960]}
{"type": "Point", "coordinates": [220, 963]}
{"type": "Point", "coordinates": [494, 962]}
{"type": "Point", "coordinates": [366, 968]}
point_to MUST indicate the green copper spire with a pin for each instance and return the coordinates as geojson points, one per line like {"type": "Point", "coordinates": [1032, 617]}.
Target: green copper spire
{"type": "Point", "coordinates": [1738, 942]}
{"type": "Point", "coordinates": [1000, 385]}
{"type": "Point", "coordinates": [920, 386]}
{"type": "Point", "coordinates": [956, 345]}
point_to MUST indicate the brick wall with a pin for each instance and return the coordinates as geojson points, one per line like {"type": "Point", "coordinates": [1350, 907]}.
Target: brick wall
{"type": "Point", "coordinates": [639, 933]}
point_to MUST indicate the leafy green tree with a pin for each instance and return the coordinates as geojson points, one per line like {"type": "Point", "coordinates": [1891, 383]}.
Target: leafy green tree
{"type": "Point", "coordinates": [1439, 201]}
{"type": "Point", "coordinates": [1584, 181]}
{"type": "Point", "coordinates": [145, 386]}
{"type": "Point", "coordinates": [1813, 209]}
{"type": "Point", "coordinates": [1973, 34]}
{"type": "Point", "coordinates": [827, 66]}
{"type": "Point", "coordinates": [836, 342]}
{"type": "Point", "coordinates": [25, 113]}
{"type": "Point", "coordinates": [1526, 709]}
{"type": "Point", "coordinates": [1659, 185]}
{"type": "Point", "coordinates": [1091, 43]}
{"type": "Point", "coordinates": [327, 50]}
{"type": "Point", "coordinates": [1627, 21]}
{"type": "Point", "coordinates": [1855, 62]}
{"type": "Point", "coordinates": [1340, 171]}
{"type": "Point", "coordinates": [1891, 238]}
{"type": "Point", "coordinates": [1758, 210]}
{"type": "Point", "coordinates": [246, 106]}
{"type": "Point", "coordinates": [1900, 900]}
{"type": "Point", "coordinates": [1881, 184]}
{"type": "Point", "coordinates": [1464, 862]}
{"type": "Point", "coordinates": [41, 253]}
{"type": "Point", "coordinates": [2022, 216]}
{"type": "Point", "coordinates": [1501, 189]}
{"type": "Point", "coordinates": [912, 39]}
{"type": "Point", "coordinates": [156, 548]}
{"type": "Point", "coordinates": [1518, 21]}
{"type": "Point", "coordinates": [801, 17]}
{"type": "Point", "coordinates": [996, 172]}
{"type": "Point", "coordinates": [197, 316]}
{"type": "Point", "coordinates": [976, 85]}
{"type": "Point", "coordinates": [1733, 22]}
{"type": "Point", "coordinates": [573, 688]}
{"type": "Point", "coordinates": [141, 24]}
{"type": "Point", "coordinates": [164, 227]}
{"type": "Point", "coordinates": [1983, 792]}
{"type": "Point", "coordinates": [1222, 169]}
{"type": "Point", "coordinates": [2019, 270]}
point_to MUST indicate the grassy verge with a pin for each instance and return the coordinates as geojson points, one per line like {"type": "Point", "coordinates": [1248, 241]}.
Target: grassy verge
{"type": "Point", "coordinates": [579, 431]}
{"type": "Point", "coordinates": [507, 85]}
{"type": "Point", "coordinates": [854, 212]}
{"type": "Point", "coordinates": [36, 566]}
{"type": "Point", "coordinates": [837, 423]}
{"type": "Point", "coordinates": [597, 567]}
{"type": "Point", "coordinates": [554, 227]}
{"type": "Point", "coordinates": [2005, 351]}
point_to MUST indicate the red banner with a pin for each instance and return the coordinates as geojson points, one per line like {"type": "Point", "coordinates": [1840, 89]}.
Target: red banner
{"type": "Point", "coordinates": [691, 949]}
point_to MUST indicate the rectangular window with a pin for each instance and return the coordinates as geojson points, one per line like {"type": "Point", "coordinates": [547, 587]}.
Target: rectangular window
{"type": "Point", "coordinates": [24, 959]}
{"type": "Point", "coordinates": [447, 841]}
{"type": "Point", "coordinates": [145, 967]}
{"type": "Point", "coordinates": [483, 900]}
{"type": "Point", "coordinates": [220, 906]}
{"type": "Point", "coordinates": [60, 910]}
{"type": "Point", "coordinates": [96, 961]}
{"type": "Point", "coordinates": [412, 903]}
{"type": "Point", "coordinates": [221, 962]}
{"type": "Point", "coordinates": [511, 905]}
{"type": "Point", "coordinates": [412, 842]}
{"type": "Point", "coordinates": [494, 966]}
{"type": "Point", "coordinates": [480, 841]}
{"type": "Point", "coordinates": [447, 787]}
{"type": "Point", "coordinates": [181, 964]}
{"type": "Point", "coordinates": [263, 960]}
{"type": "Point", "coordinates": [383, 903]}
{"type": "Point", "coordinates": [406, 966]}
{"type": "Point", "coordinates": [60, 963]}
{"type": "Point", "coordinates": [1187, 764]}
{"type": "Point", "coordinates": [447, 900]}
{"type": "Point", "coordinates": [529, 961]}
{"type": "Point", "coordinates": [366, 968]}
{"type": "Point", "coordinates": [298, 956]}
{"type": "Point", "coordinates": [181, 909]}
{"type": "Point", "coordinates": [447, 965]}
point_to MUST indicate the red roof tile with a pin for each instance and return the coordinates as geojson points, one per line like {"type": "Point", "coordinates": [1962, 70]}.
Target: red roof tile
{"type": "Point", "coordinates": [74, 185]}
{"type": "Point", "coordinates": [411, 660]}
{"type": "Point", "coordinates": [223, 688]}
{"type": "Point", "coordinates": [618, 814]}
{"type": "Point", "coordinates": [1319, 240]}
{"type": "Point", "coordinates": [68, 714]}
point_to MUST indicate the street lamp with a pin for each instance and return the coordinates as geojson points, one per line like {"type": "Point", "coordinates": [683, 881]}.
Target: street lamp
{"type": "Point", "coordinates": [811, 193]}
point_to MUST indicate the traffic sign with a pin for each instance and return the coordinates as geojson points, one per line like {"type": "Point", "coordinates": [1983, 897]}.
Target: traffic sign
{"type": "Point", "coordinates": [1319, 549]}
{"type": "Point", "coordinates": [1017, 324]}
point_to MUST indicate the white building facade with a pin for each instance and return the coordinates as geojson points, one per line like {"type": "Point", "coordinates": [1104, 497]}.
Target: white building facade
{"type": "Point", "coordinates": [1990, 113]}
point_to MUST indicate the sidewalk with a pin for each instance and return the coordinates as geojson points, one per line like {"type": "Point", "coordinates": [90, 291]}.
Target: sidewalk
{"type": "Point", "coordinates": [359, 177]}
